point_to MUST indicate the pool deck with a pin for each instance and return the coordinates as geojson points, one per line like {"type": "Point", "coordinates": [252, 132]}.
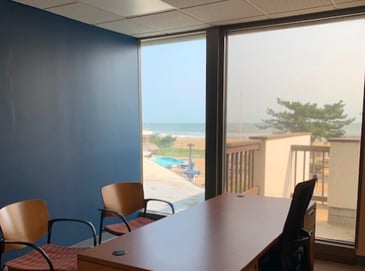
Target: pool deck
{"type": "Point", "coordinates": [160, 182]}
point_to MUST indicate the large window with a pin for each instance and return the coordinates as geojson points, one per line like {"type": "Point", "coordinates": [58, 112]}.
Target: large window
{"type": "Point", "coordinates": [305, 83]}
{"type": "Point", "coordinates": [173, 117]}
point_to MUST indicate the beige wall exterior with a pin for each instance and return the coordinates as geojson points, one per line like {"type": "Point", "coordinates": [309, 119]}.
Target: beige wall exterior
{"type": "Point", "coordinates": [344, 168]}
{"type": "Point", "coordinates": [274, 173]}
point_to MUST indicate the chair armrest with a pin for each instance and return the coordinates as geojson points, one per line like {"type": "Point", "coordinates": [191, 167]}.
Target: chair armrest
{"type": "Point", "coordinates": [146, 201]}
{"type": "Point", "coordinates": [117, 214]}
{"type": "Point", "coordinates": [305, 234]}
{"type": "Point", "coordinates": [31, 245]}
{"type": "Point", "coordinates": [303, 240]}
{"type": "Point", "coordinates": [302, 245]}
{"type": "Point", "coordinates": [88, 223]}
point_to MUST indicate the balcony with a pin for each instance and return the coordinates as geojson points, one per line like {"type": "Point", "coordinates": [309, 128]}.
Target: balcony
{"type": "Point", "coordinates": [276, 163]}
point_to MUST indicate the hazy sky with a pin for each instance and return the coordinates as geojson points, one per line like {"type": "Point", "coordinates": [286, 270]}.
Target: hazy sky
{"type": "Point", "coordinates": [319, 64]}
{"type": "Point", "coordinates": [323, 64]}
{"type": "Point", "coordinates": [173, 82]}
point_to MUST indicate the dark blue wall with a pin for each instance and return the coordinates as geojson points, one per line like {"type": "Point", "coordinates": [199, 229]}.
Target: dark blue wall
{"type": "Point", "coordinates": [69, 113]}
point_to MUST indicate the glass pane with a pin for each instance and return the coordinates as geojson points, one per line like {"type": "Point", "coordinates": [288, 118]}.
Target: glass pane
{"type": "Point", "coordinates": [173, 112]}
{"type": "Point", "coordinates": [294, 109]}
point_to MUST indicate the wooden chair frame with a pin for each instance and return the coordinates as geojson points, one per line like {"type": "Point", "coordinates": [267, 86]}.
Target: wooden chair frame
{"type": "Point", "coordinates": [20, 214]}
{"type": "Point", "coordinates": [126, 198]}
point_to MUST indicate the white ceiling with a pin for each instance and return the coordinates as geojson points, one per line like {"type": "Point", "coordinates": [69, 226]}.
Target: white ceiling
{"type": "Point", "coordinates": [148, 18]}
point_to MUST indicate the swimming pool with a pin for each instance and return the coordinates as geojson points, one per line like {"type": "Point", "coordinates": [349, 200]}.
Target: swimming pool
{"type": "Point", "coordinates": [168, 162]}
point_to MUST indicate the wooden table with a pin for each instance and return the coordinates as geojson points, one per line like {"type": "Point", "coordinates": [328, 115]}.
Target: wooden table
{"type": "Point", "coordinates": [226, 233]}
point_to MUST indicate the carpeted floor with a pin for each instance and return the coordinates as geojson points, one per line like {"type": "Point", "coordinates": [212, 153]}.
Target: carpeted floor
{"type": "Point", "coordinates": [320, 265]}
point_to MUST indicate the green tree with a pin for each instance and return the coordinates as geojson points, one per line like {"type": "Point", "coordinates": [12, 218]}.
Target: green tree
{"type": "Point", "coordinates": [163, 141]}
{"type": "Point", "coordinates": [323, 122]}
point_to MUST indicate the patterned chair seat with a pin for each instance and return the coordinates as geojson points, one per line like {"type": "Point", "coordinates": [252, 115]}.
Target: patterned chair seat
{"type": "Point", "coordinates": [121, 228]}
{"type": "Point", "coordinates": [62, 258]}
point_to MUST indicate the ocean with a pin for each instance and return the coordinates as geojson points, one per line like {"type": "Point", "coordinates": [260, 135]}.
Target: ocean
{"type": "Point", "coordinates": [176, 129]}
{"type": "Point", "coordinates": [234, 130]}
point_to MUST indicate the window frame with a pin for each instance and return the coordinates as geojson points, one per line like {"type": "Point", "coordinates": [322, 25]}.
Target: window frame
{"type": "Point", "coordinates": [215, 121]}
{"type": "Point", "coordinates": [215, 134]}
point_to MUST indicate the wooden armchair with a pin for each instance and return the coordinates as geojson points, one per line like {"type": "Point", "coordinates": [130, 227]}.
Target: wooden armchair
{"type": "Point", "coordinates": [22, 224]}
{"type": "Point", "coordinates": [124, 199]}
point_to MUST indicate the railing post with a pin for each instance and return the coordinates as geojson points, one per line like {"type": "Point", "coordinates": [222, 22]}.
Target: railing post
{"type": "Point", "coordinates": [312, 169]}
{"type": "Point", "coordinates": [239, 165]}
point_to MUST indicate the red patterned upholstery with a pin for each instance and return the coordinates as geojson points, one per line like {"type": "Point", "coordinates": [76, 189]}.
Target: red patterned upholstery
{"type": "Point", "coordinates": [122, 200]}
{"type": "Point", "coordinates": [62, 258]}
{"type": "Point", "coordinates": [121, 228]}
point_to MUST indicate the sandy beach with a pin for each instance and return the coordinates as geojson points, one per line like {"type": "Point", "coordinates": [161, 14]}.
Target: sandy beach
{"type": "Point", "coordinates": [182, 142]}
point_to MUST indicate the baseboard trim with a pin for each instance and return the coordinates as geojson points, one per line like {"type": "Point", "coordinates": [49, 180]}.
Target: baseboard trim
{"type": "Point", "coordinates": [335, 252]}
{"type": "Point", "coordinates": [360, 260]}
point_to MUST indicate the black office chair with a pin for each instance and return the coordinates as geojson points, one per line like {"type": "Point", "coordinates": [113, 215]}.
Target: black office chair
{"type": "Point", "coordinates": [293, 250]}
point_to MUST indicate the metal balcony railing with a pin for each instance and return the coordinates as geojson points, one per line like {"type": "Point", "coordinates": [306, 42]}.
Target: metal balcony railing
{"type": "Point", "coordinates": [308, 160]}
{"type": "Point", "coordinates": [313, 161]}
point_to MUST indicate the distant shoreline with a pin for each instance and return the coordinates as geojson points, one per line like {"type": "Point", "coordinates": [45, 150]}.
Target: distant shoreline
{"type": "Point", "coordinates": [234, 130]}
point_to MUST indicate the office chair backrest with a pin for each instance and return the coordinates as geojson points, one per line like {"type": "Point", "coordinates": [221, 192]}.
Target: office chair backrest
{"type": "Point", "coordinates": [125, 198]}
{"type": "Point", "coordinates": [302, 195]}
{"type": "Point", "coordinates": [24, 221]}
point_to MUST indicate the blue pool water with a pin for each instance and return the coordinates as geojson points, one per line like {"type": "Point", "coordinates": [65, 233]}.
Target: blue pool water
{"type": "Point", "coordinates": [168, 162]}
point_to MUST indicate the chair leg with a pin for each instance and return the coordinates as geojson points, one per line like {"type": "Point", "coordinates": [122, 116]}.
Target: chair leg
{"type": "Point", "coordinates": [101, 228]}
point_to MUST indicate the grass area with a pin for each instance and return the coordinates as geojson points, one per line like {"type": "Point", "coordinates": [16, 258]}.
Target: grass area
{"type": "Point", "coordinates": [180, 152]}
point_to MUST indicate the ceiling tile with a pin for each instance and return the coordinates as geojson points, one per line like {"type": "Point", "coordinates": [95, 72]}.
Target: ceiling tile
{"type": "Point", "coordinates": [167, 20]}
{"type": "Point", "coordinates": [223, 11]}
{"type": "Point", "coordinates": [147, 18]}
{"type": "Point", "coordinates": [84, 13]}
{"type": "Point", "coordinates": [126, 26]}
{"type": "Point", "coordinates": [301, 12]}
{"type": "Point", "coordinates": [45, 3]}
{"type": "Point", "coordinates": [348, 3]}
{"type": "Point", "coordinates": [241, 20]}
{"type": "Point", "coordinates": [149, 34]}
{"type": "Point", "coordinates": [130, 8]}
{"type": "Point", "coordinates": [190, 3]}
{"type": "Point", "coordinates": [292, 6]}
{"type": "Point", "coordinates": [187, 29]}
